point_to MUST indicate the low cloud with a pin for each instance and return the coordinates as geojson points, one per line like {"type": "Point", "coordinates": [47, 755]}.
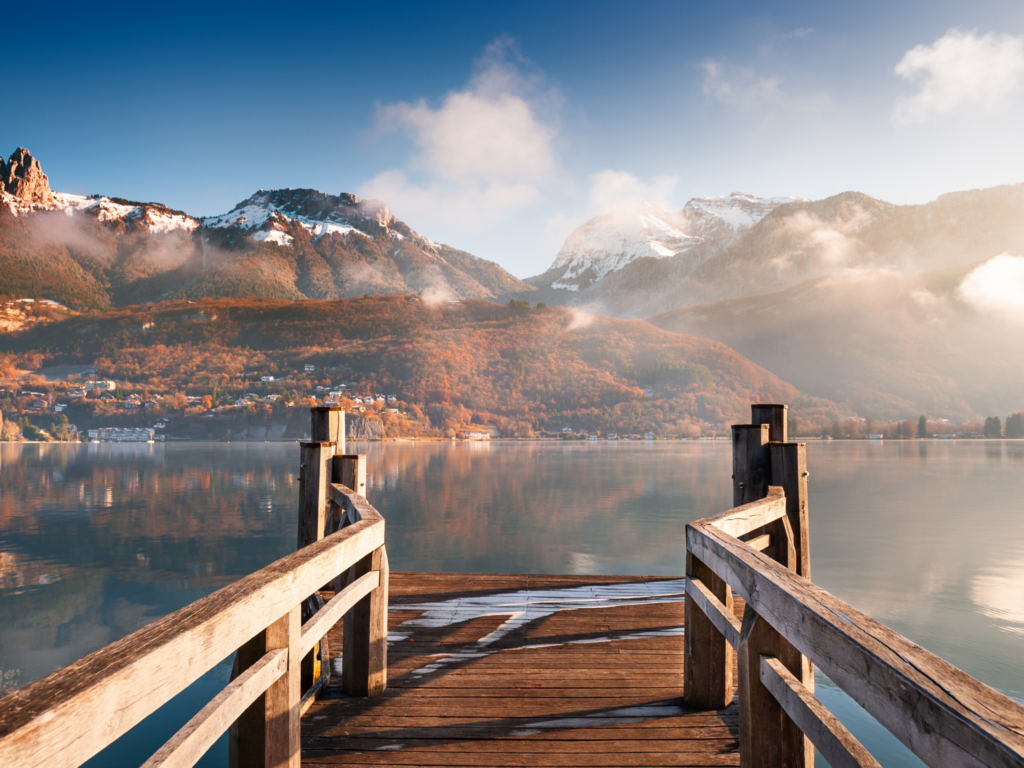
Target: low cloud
{"type": "Point", "coordinates": [436, 295]}
{"type": "Point", "coordinates": [580, 319]}
{"type": "Point", "coordinates": [609, 190]}
{"type": "Point", "coordinates": [959, 70]}
{"type": "Point", "coordinates": [483, 154]}
{"type": "Point", "coordinates": [995, 286]}
{"type": "Point", "coordinates": [835, 241]}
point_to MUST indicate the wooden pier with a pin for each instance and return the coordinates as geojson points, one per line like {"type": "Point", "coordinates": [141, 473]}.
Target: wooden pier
{"type": "Point", "coordinates": [494, 670]}
{"type": "Point", "coordinates": [340, 662]}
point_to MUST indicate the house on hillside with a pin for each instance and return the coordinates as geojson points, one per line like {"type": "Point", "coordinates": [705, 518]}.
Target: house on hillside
{"type": "Point", "coordinates": [266, 379]}
{"type": "Point", "coordinates": [309, 368]}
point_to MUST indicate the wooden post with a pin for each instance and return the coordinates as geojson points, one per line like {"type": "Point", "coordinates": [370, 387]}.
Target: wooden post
{"type": "Point", "coordinates": [314, 477]}
{"type": "Point", "coordinates": [789, 469]}
{"type": "Point", "coordinates": [364, 668]}
{"type": "Point", "coordinates": [265, 731]}
{"type": "Point", "coordinates": [350, 470]}
{"type": "Point", "coordinates": [750, 470]}
{"type": "Point", "coordinates": [768, 737]}
{"type": "Point", "coordinates": [327, 425]}
{"type": "Point", "coordinates": [707, 656]}
{"type": "Point", "coordinates": [777, 419]}
{"type": "Point", "coordinates": [246, 735]}
{"type": "Point", "coordinates": [283, 697]}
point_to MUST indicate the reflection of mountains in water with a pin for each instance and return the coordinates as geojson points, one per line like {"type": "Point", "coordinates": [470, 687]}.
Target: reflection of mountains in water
{"type": "Point", "coordinates": [97, 541]}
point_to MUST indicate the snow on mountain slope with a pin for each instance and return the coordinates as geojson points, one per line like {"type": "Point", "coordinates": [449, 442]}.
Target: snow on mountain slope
{"type": "Point", "coordinates": [711, 218]}
{"type": "Point", "coordinates": [267, 214]}
{"type": "Point", "coordinates": [154, 218]}
{"type": "Point", "coordinates": [609, 242]}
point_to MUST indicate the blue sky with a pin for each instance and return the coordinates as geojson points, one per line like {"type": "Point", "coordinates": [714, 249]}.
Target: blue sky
{"type": "Point", "coordinates": [497, 128]}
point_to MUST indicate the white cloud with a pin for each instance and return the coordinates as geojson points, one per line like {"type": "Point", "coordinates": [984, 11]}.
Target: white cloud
{"type": "Point", "coordinates": [958, 70]}
{"type": "Point", "coordinates": [607, 191]}
{"type": "Point", "coordinates": [995, 286]}
{"type": "Point", "coordinates": [480, 156]}
{"type": "Point", "coordinates": [835, 242]}
{"type": "Point", "coordinates": [616, 189]}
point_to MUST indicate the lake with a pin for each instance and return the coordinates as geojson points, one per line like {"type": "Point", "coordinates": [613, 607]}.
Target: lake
{"type": "Point", "coordinates": [97, 540]}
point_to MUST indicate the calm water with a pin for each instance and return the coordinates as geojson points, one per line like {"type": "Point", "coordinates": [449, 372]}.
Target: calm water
{"type": "Point", "coordinates": [99, 540]}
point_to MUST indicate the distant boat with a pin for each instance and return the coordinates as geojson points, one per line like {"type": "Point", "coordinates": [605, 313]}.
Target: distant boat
{"type": "Point", "coordinates": [876, 437]}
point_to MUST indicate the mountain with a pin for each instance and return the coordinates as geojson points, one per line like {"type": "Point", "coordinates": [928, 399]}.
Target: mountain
{"type": "Point", "coordinates": [947, 343]}
{"type": "Point", "coordinates": [450, 365]}
{"type": "Point", "coordinates": [289, 244]}
{"type": "Point", "coordinates": [768, 246]}
{"type": "Point", "coordinates": [610, 242]}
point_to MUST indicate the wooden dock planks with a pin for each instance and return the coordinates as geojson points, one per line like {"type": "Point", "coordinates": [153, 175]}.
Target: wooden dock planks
{"type": "Point", "coordinates": [495, 670]}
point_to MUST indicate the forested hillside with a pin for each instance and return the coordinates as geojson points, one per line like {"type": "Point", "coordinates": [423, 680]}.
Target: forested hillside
{"type": "Point", "coordinates": [517, 368]}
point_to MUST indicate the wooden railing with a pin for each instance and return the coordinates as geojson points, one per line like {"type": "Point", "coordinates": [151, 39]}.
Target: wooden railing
{"type": "Point", "coordinates": [64, 719]}
{"type": "Point", "coordinates": [758, 549]}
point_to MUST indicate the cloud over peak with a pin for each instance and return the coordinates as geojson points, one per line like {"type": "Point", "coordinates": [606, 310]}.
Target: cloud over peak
{"type": "Point", "coordinates": [484, 152]}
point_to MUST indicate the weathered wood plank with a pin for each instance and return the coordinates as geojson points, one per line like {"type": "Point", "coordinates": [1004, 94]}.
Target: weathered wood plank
{"type": "Point", "coordinates": [836, 744]}
{"type": "Point", "coordinates": [750, 517]}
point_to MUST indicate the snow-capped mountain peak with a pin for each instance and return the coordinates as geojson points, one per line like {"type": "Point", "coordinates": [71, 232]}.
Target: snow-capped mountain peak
{"type": "Point", "coordinates": [609, 242]}
{"type": "Point", "coordinates": [268, 215]}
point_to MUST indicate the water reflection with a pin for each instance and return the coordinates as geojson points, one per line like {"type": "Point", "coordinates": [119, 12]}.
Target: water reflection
{"type": "Point", "coordinates": [99, 540]}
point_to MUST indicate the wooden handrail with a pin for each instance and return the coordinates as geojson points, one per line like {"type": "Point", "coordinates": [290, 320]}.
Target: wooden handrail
{"type": "Point", "coordinates": [67, 717]}
{"type": "Point", "coordinates": [941, 713]}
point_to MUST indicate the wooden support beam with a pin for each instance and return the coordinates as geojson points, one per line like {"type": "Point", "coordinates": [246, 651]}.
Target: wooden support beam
{"type": "Point", "coordinates": [760, 543]}
{"type": "Point", "coordinates": [327, 425]}
{"type": "Point", "coordinates": [190, 743]}
{"type": "Point", "coordinates": [708, 657]}
{"type": "Point", "coordinates": [768, 736]}
{"type": "Point", "coordinates": [364, 640]}
{"type": "Point", "coordinates": [712, 607]}
{"type": "Point", "coordinates": [336, 608]}
{"type": "Point", "coordinates": [282, 732]}
{"type": "Point", "coordinates": [836, 744]}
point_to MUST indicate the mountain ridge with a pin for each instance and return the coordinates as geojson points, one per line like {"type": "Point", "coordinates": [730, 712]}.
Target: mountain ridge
{"type": "Point", "coordinates": [291, 244]}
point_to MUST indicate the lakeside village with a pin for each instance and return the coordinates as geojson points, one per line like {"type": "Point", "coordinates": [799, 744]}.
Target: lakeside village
{"type": "Point", "coordinates": [79, 407]}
